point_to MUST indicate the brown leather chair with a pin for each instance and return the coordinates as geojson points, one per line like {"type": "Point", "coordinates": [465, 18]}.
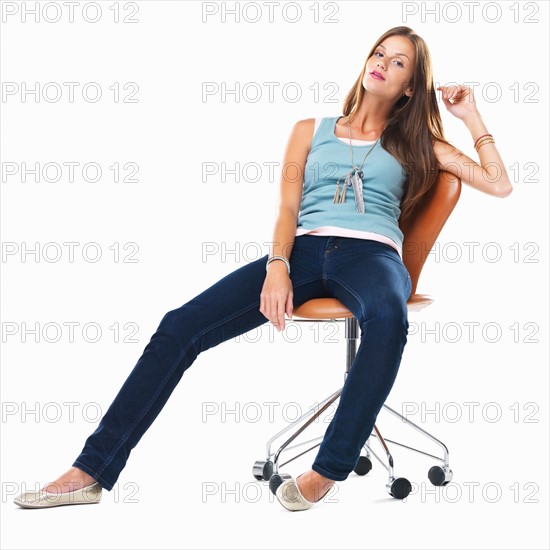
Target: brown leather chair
{"type": "Point", "coordinates": [420, 235]}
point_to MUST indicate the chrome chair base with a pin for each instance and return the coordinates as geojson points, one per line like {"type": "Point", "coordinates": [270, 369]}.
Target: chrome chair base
{"type": "Point", "coordinates": [400, 487]}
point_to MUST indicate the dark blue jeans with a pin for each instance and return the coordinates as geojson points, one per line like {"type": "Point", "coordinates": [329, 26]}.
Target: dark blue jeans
{"type": "Point", "coordinates": [367, 276]}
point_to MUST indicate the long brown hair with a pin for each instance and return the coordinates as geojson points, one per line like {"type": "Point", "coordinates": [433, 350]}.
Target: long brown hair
{"type": "Point", "coordinates": [412, 125]}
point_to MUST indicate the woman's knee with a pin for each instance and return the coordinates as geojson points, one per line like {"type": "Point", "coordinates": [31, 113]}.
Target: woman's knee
{"type": "Point", "coordinates": [390, 311]}
{"type": "Point", "coordinates": [177, 322]}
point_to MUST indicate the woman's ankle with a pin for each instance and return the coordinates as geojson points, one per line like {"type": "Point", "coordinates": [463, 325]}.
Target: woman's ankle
{"type": "Point", "coordinates": [313, 485]}
{"type": "Point", "coordinates": [74, 478]}
{"type": "Point", "coordinates": [84, 475]}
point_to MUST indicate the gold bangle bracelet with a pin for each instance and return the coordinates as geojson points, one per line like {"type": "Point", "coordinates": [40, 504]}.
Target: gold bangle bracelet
{"type": "Point", "coordinates": [482, 140]}
{"type": "Point", "coordinates": [482, 136]}
{"type": "Point", "coordinates": [484, 143]}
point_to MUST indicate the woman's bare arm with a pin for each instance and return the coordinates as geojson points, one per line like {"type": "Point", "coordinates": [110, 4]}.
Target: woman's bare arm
{"type": "Point", "coordinates": [277, 295]}
{"type": "Point", "coordinates": [489, 175]}
{"type": "Point", "coordinates": [292, 176]}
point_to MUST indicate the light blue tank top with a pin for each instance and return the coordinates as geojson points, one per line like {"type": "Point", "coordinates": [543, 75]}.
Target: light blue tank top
{"type": "Point", "coordinates": [383, 186]}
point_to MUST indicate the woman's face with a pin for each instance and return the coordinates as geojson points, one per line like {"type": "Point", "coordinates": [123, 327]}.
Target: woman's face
{"type": "Point", "coordinates": [394, 60]}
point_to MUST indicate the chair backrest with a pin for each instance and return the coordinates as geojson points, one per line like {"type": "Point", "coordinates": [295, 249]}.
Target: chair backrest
{"type": "Point", "coordinates": [427, 221]}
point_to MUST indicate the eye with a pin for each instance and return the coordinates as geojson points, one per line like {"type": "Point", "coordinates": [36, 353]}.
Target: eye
{"type": "Point", "coordinates": [400, 64]}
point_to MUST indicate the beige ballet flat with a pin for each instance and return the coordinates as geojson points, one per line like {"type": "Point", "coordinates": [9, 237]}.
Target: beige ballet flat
{"type": "Point", "coordinates": [290, 496]}
{"type": "Point", "coordinates": [91, 494]}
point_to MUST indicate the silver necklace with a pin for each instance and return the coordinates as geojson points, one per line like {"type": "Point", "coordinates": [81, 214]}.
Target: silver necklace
{"type": "Point", "coordinates": [354, 178]}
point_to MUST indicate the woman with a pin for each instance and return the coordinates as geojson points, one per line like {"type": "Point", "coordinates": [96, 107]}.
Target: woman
{"type": "Point", "coordinates": [336, 235]}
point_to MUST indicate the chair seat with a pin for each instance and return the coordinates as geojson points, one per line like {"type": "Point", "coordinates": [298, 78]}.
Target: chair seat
{"type": "Point", "coordinates": [332, 308]}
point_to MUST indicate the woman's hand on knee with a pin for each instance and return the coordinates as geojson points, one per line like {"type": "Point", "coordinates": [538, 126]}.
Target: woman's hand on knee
{"type": "Point", "coordinates": [276, 296]}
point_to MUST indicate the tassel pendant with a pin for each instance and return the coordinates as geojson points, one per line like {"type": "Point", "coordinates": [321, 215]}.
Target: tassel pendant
{"type": "Point", "coordinates": [347, 184]}
{"type": "Point", "coordinates": [343, 194]}
{"type": "Point", "coordinates": [353, 179]}
{"type": "Point", "coordinates": [341, 197]}
{"type": "Point", "coordinates": [337, 192]}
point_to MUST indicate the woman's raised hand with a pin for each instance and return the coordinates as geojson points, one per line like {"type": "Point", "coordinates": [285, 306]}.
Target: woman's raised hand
{"type": "Point", "coordinates": [459, 100]}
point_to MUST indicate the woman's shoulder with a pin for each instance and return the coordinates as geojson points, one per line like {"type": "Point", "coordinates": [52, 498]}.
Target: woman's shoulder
{"type": "Point", "coordinates": [306, 124]}
{"type": "Point", "coordinates": [308, 127]}
{"type": "Point", "coordinates": [304, 131]}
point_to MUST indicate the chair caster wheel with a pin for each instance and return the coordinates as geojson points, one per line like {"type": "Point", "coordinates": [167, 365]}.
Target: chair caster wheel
{"type": "Point", "coordinates": [262, 470]}
{"type": "Point", "coordinates": [363, 466]}
{"type": "Point", "coordinates": [276, 480]}
{"type": "Point", "coordinates": [440, 475]}
{"type": "Point", "coordinates": [399, 488]}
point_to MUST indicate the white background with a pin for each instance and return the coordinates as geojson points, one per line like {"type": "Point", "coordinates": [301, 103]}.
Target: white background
{"type": "Point", "coordinates": [171, 212]}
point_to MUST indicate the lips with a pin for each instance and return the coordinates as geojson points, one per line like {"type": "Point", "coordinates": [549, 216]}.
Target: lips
{"type": "Point", "coordinates": [377, 75]}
